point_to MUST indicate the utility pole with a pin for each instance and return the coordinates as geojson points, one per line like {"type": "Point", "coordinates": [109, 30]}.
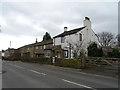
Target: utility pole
{"type": "Point", "coordinates": [10, 44]}
{"type": "Point", "coordinates": [36, 40]}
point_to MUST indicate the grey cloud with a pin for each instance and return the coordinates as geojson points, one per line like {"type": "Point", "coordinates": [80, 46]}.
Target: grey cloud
{"type": "Point", "coordinates": [50, 16]}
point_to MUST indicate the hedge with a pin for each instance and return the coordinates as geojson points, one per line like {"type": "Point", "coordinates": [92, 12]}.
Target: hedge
{"type": "Point", "coordinates": [41, 60]}
{"type": "Point", "coordinates": [11, 58]}
{"type": "Point", "coordinates": [73, 63]}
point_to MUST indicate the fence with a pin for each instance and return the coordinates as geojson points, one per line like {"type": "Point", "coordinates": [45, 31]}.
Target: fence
{"type": "Point", "coordinates": [106, 63]}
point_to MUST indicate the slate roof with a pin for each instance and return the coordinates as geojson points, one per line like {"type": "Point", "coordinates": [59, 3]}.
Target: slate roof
{"type": "Point", "coordinates": [39, 43]}
{"type": "Point", "coordinates": [10, 49]}
{"type": "Point", "coordinates": [69, 32]}
{"type": "Point", "coordinates": [29, 45]}
{"type": "Point", "coordinates": [44, 42]}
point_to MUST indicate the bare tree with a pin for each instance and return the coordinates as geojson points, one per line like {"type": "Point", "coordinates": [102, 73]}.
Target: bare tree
{"type": "Point", "coordinates": [76, 48]}
{"type": "Point", "coordinates": [77, 51]}
{"type": "Point", "coordinates": [105, 38]}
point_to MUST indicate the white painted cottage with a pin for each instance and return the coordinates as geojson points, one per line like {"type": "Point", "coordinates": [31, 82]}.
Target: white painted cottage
{"type": "Point", "coordinates": [70, 39]}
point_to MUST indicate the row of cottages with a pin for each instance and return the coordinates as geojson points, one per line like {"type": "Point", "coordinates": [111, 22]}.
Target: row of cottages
{"type": "Point", "coordinates": [62, 45]}
{"type": "Point", "coordinates": [38, 49]}
{"type": "Point", "coordinates": [69, 40]}
{"type": "Point", "coordinates": [43, 49]}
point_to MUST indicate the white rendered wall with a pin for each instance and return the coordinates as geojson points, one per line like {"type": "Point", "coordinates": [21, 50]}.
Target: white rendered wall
{"type": "Point", "coordinates": [88, 36]}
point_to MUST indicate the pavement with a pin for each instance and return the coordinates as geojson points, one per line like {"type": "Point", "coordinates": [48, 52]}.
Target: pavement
{"type": "Point", "coordinates": [17, 74]}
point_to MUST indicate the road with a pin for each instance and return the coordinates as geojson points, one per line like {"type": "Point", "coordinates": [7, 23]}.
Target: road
{"type": "Point", "coordinates": [18, 74]}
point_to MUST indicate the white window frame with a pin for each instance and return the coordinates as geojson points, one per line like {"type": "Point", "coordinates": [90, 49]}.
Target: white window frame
{"type": "Point", "coordinates": [63, 39]}
{"type": "Point", "coordinates": [65, 53]}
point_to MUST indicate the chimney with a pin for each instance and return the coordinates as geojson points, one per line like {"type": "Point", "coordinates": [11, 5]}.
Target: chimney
{"type": "Point", "coordinates": [65, 29]}
{"type": "Point", "coordinates": [87, 22]}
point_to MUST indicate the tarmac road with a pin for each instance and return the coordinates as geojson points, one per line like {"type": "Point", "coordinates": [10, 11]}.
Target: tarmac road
{"type": "Point", "coordinates": [18, 74]}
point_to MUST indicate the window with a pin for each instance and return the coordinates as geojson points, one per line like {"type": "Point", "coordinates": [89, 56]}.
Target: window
{"type": "Point", "coordinates": [41, 47]}
{"type": "Point", "coordinates": [66, 54]}
{"type": "Point", "coordinates": [28, 48]}
{"type": "Point", "coordinates": [80, 37]}
{"type": "Point", "coordinates": [36, 47]}
{"type": "Point", "coordinates": [58, 55]}
{"type": "Point", "coordinates": [44, 47]}
{"type": "Point", "coordinates": [62, 39]}
{"type": "Point", "coordinates": [48, 53]}
{"type": "Point", "coordinates": [53, 41]}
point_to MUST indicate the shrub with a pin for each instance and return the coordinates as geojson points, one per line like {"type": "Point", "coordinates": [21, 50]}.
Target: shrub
{"type": "Point", "coordinates": [94, 51]}
{"type": "Point", "coordinates": [115, 53]}
{"type": "Point", "coordinates": [12, 58]}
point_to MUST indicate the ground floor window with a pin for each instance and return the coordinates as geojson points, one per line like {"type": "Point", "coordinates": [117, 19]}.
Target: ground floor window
{"type": "Point", "coordinates": [65, 53]}
{"type": "Point", "coordinates": [37, 55]}
{"type": "Point", "coordinates": [58, 54]}
{"type": "Point", "coordinates": [48, 53]}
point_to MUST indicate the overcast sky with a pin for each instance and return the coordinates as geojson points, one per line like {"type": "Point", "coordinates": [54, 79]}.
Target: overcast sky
{"type": "Point", "coordinates": [23, 22]}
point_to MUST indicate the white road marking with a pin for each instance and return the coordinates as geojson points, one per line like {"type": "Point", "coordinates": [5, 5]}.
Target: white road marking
{"type": "Point", "coordinates": [30, 70]}
{"type": "Point", "coordinates": [10, 64]}
{"type": "Point", "coordinates": [96, 75]}
{"type": "Point", "coordinates": [16, 66]}
{"type": "Point", "coordinates": [19, 66]}
{"type": "Point", "coordinates": [78, 84]}
{"type": "Point", "coordinates": [37, 72]}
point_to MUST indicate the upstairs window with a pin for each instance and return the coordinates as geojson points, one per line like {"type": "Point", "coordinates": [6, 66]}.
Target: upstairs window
{"type": "Point", "coordinates": [58, 54]}
{"type": "Point", "coordinates": [62, 39]}
{"type": "Point", "coordinates": [28, 48]}
{"type": "Point", "coordinates": [44, 46]}
{"type": "Point", "coordinates": [36, 47]}
{"type": "Point", "coordinates": [80, 37]}
{"type": "Point", "coordinates": [53, 41]}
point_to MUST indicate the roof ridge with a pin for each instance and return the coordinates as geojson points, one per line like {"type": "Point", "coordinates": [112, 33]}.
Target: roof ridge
{"type": "Point", "coordinates": [69, 32]}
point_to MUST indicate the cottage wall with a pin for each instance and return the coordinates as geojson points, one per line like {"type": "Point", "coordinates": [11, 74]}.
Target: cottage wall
{"type": "Point", "coordinates": [88, 36]}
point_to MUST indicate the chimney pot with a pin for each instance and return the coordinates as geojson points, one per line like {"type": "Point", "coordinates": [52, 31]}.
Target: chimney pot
{"type": "Point", "coordinates": [87, 18]}
{"type": "Point", "coordinates": [65, 29]}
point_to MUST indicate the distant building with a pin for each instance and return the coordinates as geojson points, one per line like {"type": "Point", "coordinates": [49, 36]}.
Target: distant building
{"type": "Point", "coordinates": [10, 52]}
{"type": "Point", "coordinates": [106, 49]}
{"type": "Point", "coordinates": [84, 35]}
